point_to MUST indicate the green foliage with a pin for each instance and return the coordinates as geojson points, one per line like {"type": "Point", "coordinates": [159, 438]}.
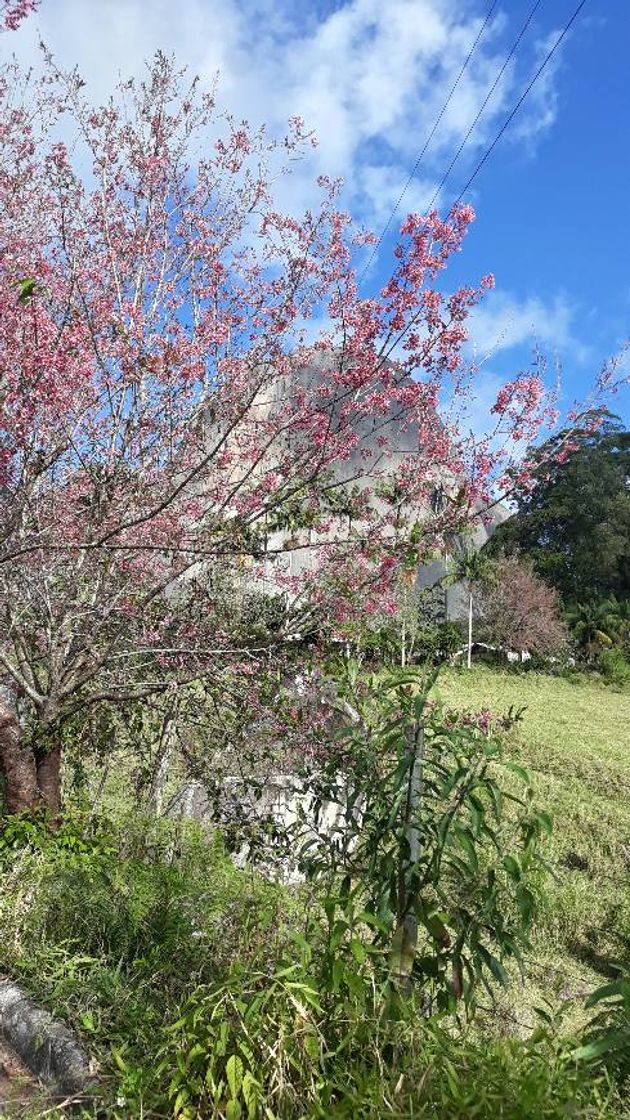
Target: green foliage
{"type": "Point", "coordinates": [614, 667]}
{"type": "Point", "coordinates": [417, 632]}
{"type": "Point", "coordinates": [26, 290]}
{"type": "Point", "coordinates": [249, 1047]}
{"type": "Point", "coordinates": [203, 991]}
{"type": "Point", "coordinates": [438, 641]}
{"type": "Point", "coordinates": [595, 626]}
{"type": "Point", "coordinates": [112, 924]}
{"type": "Point", "coordinates": [575, 522]}
{"type": "Point", "coordinates": [424, 844]}
{"type": "Point", "coordinates": [472, 567]}
{"type": "Point", "coordinates": [574, 743]}
{"type": "Point", "coordinates": [277, 1047]}
{"type": "Point", "coordinates": [607, 1038]}
{"type": "Point", "coordinates": [231, 1008]}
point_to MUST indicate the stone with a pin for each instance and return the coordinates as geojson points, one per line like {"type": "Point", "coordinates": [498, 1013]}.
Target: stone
{"type": "Point", "coordinates": [45, 1046]}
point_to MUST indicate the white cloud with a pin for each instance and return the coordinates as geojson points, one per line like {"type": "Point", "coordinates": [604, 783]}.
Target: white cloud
{"type": "Point", "coordinates": [503, 322]}
{"type": "Point", "coordinates": [370, 76]}
{"type": "Point", "coordinates": [543, 97]}
{"type": "Point", "coordinates": [514, 328]}
{"type": "Point", "coordinates": [381, 186]}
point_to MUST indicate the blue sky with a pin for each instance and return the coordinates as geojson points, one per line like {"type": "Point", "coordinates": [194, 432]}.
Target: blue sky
{"type": "Point", "coordinates": [552, 215]}
{"type": "Point", "coordinates": [370, 77]}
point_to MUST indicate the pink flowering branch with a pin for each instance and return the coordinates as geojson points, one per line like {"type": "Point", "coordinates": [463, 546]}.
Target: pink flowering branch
{"type": "Point", "coordinates": [13, 12]}
{"type": "Point", "coordinates": [170, 434]}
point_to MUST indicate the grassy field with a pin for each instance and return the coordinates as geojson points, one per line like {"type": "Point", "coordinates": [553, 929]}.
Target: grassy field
{"type": "Point", "coordinates": [575, 741]}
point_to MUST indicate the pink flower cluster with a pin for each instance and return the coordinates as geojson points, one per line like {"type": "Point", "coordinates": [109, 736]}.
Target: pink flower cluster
{"type": "Point", "coordinates": [483, 720]}
{"type": "Point", "coordinates": [13, 12]}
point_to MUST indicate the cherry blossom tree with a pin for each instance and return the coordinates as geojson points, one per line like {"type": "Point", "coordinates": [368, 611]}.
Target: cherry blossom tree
{"type": "Point", "coordinates": [12, 12]}
{"type": "Point", "coordinates": [519, 611]}
{"type": "Point", "coordinates": [168, 412]}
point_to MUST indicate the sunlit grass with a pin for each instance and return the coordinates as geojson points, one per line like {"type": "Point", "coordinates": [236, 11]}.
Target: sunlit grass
{"type": "Point", "coordinates": [574, 739]}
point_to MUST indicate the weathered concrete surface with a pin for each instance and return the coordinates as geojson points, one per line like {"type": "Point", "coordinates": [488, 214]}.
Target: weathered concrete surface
{"type": "Point", "coordinates": [46, 1047]}
{"type": "Point", "coordinates": [281, 799]}
{"type": "Point", "coordinates": [18, 1087]}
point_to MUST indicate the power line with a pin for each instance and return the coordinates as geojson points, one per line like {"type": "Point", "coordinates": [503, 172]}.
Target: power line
{"type": "Point", "coordinates": [521, 99]}
{"type": "Point", "coordinates": [508, 59]}
{"type": "Point", "coordinates": [430, 137]}
{"type": "Point", "coordinates": [511, 116]}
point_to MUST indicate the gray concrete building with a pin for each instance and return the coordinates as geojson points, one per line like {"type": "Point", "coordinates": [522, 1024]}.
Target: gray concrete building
{"type": "Point", "coordinates": [368, 465]}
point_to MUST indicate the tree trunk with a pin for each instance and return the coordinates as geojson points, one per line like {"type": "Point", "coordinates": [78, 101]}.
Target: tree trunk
{"type": "Point", "coordinates": [155, 799]}
{"type": "Point", "coordinates": [405, 940]}
{"type": "Point", "coordinates": [17, 765]}
{"type": "Point", "coordinates": [49, 779]}
{"type": "Point", "coordinates": [31, 778]}
{"type": "Point", "coordinates": [470, 622]}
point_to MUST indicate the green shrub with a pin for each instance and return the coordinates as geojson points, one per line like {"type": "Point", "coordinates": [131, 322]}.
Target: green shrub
{"type": "Point", "coordinates": [607, 1038]}
{"type": "Point", "coordinates": [203, 991]}
{"type": "Point", "coordinates": [430, 866]}
{"type": "Point", "coordinates": [614, 667]}
{"type": "Point", "coordinates": [112, 924]}
{"type": "Point", "coordinates": [278, 1047]}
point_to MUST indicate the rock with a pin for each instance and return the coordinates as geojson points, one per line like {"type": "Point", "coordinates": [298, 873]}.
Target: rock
{"type": "Point", "coordinates": [47, 1048]}
{"type": "Point", "coordinates": [280, 801]}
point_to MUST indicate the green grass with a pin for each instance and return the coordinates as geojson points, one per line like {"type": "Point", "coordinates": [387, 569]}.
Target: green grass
{"type": "Point", "coordinates": [575, 741]}
{"type": "Point", "coordinates": [111, 925]}
{"type": "Point", "coordinates": [115, 925]}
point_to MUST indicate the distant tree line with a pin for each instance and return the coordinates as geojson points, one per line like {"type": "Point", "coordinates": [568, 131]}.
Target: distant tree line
{"type": "Point", "coordinates": [573, 528]}
{"type": "Point", "coordinates": [574, 524]}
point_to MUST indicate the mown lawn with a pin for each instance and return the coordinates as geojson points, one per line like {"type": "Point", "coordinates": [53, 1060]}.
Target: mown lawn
{"type": "Point", "coordinates": [574, 739]}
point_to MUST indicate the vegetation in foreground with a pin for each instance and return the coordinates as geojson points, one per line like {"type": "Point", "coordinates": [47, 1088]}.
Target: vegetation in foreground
{"type": "Point", "coordinates": [192, 984]}
{"type": "Point", "coordinates": [207, 991]}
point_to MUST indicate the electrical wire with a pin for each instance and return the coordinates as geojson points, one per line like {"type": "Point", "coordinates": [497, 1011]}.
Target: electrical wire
{"type": "Point", "coordinates": [508, 59]}
{"type": "Point", "coordinates": [429, 138]}
{"type": "Point", "coordinates": [508, 120]}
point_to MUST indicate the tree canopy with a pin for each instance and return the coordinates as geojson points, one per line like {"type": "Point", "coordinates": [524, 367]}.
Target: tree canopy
{"type": "Point", "coordinates": [170, 416]}
{"type": "Point", "coordinates": [574, 524]}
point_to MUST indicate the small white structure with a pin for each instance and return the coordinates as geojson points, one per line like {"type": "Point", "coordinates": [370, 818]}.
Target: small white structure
{"type": "Point", "coordinates": [279, 801]}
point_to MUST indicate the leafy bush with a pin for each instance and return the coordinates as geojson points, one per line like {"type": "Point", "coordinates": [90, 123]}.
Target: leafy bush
{"type": "Point", "coordinates": [279, 1047]}
{"type": "Point", "coordinates": [518, 611]}
{"type": "Point", "coordinates": [206, 992]}
{"type": "Point", "coordinates": [607, 1038]}
{"type": "Point", "coordinates": [438, 641]}
{"type": "Point", "coordinates": [597, 626]}
{"type": "Point", "coordinates": [112, 925]}
{"type": "Point", "coordinates": [614, 667]}
{"type": "Point", "coordinates": [425, 868]}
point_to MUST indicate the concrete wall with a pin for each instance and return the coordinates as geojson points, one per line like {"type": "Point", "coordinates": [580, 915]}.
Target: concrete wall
{"type": "Point", "coordinates": [282, 800]}
{"type": "Point", "coordinates": [365, 465]}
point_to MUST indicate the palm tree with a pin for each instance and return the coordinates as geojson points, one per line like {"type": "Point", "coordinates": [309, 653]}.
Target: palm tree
{"type": "Point", "coordinates": [596, 625]}
{"type": "Point", "coordinates": [472, 569]}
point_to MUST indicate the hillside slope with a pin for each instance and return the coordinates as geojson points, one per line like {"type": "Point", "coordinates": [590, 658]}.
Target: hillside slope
{"type": "Point", "coordinates": [574, 739]}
